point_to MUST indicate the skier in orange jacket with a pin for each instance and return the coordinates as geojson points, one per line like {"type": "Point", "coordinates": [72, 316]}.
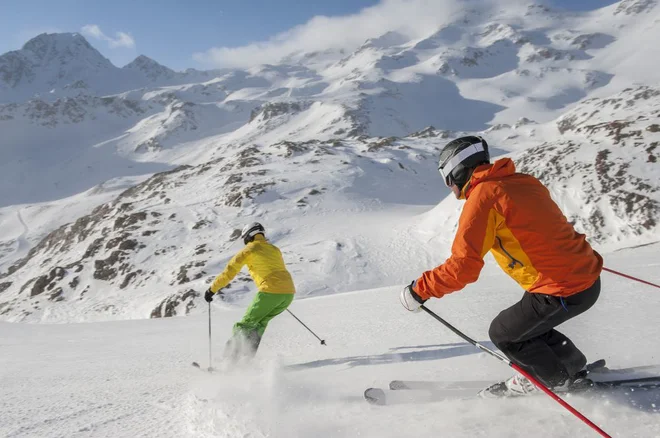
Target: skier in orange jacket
{"type": "Point", "coordinates": [513, 216]}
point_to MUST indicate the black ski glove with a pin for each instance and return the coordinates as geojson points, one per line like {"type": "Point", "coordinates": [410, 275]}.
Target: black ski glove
{"type": "Point", "coordinates": [208, 296]}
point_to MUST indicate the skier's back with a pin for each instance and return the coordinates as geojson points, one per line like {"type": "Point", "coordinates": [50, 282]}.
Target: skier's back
{"type": "Point", "coordinates": [275, 289]}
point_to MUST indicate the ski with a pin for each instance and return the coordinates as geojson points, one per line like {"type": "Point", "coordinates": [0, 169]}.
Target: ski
{"type": "Point", "coordinates": [642, 383]}
{"type": "Point", "coordinates": [470, 390]}
{"type": "Point", "coordinates": [594, 367]}
{"type": "Point", "coordinates": [601, 380]}
{"type": "Point", "coordinates": [381, 397]}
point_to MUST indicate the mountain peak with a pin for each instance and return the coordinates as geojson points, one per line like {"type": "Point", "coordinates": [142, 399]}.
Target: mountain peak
{"type": "Point", "coordinates": [150, 68]}
{"type": "Point", "coordinates": [48, 61]}
{"type": "Point", "coordinates": [142, 60]}
{"type": "Point", "coordinates": [48, 45]}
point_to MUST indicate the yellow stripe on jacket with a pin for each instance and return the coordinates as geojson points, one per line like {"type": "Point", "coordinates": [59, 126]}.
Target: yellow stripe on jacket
{"type": "Point", "coordinates": [265, 265]}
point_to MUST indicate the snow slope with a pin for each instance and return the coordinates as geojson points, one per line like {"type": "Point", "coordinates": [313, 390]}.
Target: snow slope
{"type": "Point", "coordinates": [133, 378]}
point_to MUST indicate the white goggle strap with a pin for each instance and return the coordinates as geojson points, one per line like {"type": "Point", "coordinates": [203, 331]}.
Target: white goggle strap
{"type": "Point", "coordinates": [252, 232]}
{"type": "Point", "coordinates": [457, 159]}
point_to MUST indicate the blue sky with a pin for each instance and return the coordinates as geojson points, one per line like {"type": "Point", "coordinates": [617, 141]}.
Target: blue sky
{"type": "Point", "coordinates": [172, 31]}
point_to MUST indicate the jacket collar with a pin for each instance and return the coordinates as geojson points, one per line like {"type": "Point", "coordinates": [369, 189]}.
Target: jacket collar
{"type": "Point", "coordinates": [499, 169]}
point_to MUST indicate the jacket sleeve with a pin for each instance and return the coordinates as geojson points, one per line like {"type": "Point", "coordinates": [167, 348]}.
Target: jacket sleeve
{"type": "Point", "coordinates": [235, 264]}
{"type": "Point", "coordinates": [474, 238]}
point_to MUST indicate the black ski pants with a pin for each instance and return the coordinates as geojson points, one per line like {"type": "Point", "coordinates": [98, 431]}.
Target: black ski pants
{"type": "Point", "coordinates": [525, 334]}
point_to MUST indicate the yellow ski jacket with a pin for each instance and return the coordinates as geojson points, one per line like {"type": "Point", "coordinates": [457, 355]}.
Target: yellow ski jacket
{"type": "Point", "coordinates": [265, 265]}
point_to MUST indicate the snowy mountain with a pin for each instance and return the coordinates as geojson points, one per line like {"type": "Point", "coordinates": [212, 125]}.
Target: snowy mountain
{"type": "Point", "coordinates": [55, 66]}
{"type": "Point", "coordinates": [51, 61]}
{"type": "Point", "coordinates": [151, 69]}
{"type": "Point", "coordinates": [319, 147]}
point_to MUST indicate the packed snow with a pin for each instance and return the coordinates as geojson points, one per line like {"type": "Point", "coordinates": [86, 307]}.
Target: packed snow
{"type": "Point", "coordinates": [134, 378]}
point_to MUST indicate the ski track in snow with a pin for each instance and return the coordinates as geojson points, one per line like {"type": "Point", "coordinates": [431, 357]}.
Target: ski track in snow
{"type": "Point", "coordinates": [21, 241]}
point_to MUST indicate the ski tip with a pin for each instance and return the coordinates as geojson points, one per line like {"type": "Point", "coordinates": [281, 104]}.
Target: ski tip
{"type": "Point", "coordinates": [196, 365]}
{"type": "Point", "coordinates": [398, 384]}
{"type": "Point", "coordinates": [375, 396]}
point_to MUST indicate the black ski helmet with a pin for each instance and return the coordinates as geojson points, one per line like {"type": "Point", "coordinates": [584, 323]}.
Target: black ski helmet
{"type": "Point", "coordinates": [251, 230]}
{"type": "Point", "coordinates": [460, 156]}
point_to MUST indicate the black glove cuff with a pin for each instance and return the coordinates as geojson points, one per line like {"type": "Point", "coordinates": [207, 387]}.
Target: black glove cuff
{"type": "Point", "coordinates": [414, 295]}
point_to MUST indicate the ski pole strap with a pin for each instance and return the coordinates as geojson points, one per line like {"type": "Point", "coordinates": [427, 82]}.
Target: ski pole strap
{"type": "Point", "coordinates": [630, 277]}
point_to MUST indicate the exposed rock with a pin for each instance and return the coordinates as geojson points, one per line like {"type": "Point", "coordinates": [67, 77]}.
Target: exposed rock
{"type": "Point", "coordinates": [168, 307]}
{"type": "Point", "coordinates": [130, 220]}
{"type": "Point", "coordinates": [128, 278]}
{"type": "Point", "coordinates": [380, 144]}
{"type": "Point", "coordinates": [200, 224]}
{"type": "Point", "coordinates": [237, 195]}
{"type": "Point", "coordinates": [108, 268]}
{"type": "Point", "coordinates": [182, 276]}
{"type": "Point", "coordinates": [291, 148]}
{"type": "Point", "coordinates": [269, 110]}
{"type": "Point", "coordinates": [56, 295]}
{"type": "Point", "coordinates": [128, 245]}
{"type": "Point", "coordinates": [47, 282]}
{"type": "Point", "coordinates": [93, 248]}
{"type": "Point", "coordinates": [632, 7]}
{"type": "Point", "coordinates": [428, 132]}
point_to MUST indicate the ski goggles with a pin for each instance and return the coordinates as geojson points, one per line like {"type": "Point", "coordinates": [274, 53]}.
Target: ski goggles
{"type": "Point", "coordinates": [452, 163]}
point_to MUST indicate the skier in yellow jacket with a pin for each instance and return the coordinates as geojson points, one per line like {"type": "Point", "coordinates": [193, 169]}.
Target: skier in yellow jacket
{"type": "Point", "coordinates": [275, 289]}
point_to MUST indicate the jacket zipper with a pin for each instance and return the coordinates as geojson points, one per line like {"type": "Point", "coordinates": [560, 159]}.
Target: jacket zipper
{"type": "Point", "coordinates": [513, 262]}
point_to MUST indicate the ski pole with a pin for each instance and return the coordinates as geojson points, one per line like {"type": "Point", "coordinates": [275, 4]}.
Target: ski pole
{"type": "Point", "coordinates": [531, 378]}
{"type": "Point", "coordinates": [630, 277]}
{"type": "Point", "coordinates": [210, 361]}
{"type": "Point", "coordinates": [303, 324]}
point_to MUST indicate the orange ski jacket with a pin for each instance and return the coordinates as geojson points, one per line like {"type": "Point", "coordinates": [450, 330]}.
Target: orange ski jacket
{"type": "Point", "coordinates": [513, 216]}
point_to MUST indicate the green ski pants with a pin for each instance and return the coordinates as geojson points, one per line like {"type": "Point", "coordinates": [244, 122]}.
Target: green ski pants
{"type": "Point", "coordinates": [263, 308]}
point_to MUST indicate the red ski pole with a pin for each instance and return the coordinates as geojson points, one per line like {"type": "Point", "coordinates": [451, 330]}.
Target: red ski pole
{"type": "Point", "coordinates": [631, 277]}
{"type": "Point", "coordinates": [531, 378]}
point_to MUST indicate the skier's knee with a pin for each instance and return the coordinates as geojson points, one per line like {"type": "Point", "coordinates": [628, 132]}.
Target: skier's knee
{"type": "Point", "coordinates": [497, 334]}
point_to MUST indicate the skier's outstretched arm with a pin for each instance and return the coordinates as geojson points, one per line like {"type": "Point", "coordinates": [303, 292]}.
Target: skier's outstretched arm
{"type": "Point", "coordinates": [474, 238]}
{"type": "Point", "coordinates": [233, 267]}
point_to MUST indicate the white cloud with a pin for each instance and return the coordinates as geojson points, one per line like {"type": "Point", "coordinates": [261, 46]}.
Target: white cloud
{"type": "Point", "coordinates": [122, 39]}
{"type": "Point", "coordinates": [414, 18]}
